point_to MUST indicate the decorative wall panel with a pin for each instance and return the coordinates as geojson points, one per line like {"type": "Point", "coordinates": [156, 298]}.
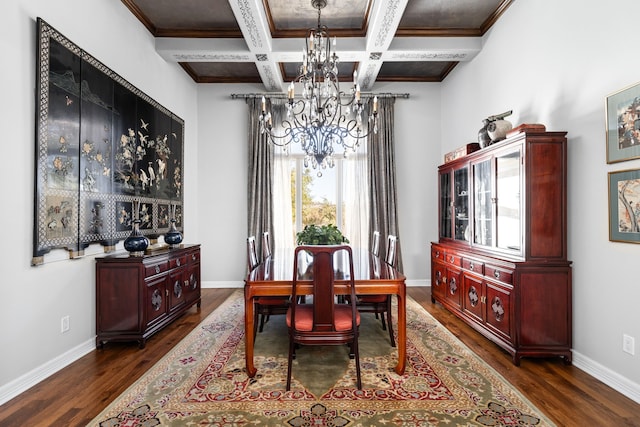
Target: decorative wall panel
{"type": "Point", "coordinates": [101, 143]}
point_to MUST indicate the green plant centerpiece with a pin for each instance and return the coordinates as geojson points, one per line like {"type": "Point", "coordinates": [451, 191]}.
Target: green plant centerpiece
{"type": "Point", "coordinates": [321, 235]}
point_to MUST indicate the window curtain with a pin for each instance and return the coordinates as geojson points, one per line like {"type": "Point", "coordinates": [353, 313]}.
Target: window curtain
{"type": "Point", "coordinates": [382, 175]}
{"type": "Point", "coordinates": [260, 186]}
{"type": "Point", "coordinates": [355, 187]}
{"type": "Point", "coordinates": [270, 183]}
{"type": "Point", "coordinates": [283, 236]}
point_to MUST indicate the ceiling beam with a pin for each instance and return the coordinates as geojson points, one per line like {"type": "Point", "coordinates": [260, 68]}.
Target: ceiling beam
{"type": "Point", "coordinates": [267, 53]}
{"type": "Point", "coordinates": [385, 18]}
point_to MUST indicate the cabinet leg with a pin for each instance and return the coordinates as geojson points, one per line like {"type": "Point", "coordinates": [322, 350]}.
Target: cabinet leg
{"type": "Point", "coordinates": [142, 344]}
{"type": "Point", "coordinates": [516, 359]}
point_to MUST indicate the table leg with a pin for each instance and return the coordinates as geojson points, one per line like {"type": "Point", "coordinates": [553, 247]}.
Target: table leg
{"type": "Point", "coordinates": [248, 333]}
{"type": "Point", "coordinates": [402, 331]}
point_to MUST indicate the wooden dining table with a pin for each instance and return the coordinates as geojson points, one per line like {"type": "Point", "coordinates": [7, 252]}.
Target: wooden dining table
{"type": "Point", "coordinates": [274, 277]}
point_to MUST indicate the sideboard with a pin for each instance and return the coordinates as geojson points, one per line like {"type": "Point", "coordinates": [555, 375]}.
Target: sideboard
{"type": "Point", "coordinates": [138, 296]}
{"type": "Point", "coordinates": [500, 263]}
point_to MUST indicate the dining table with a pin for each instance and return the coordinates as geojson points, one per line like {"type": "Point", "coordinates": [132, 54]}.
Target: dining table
{"type": "Point", "coordinates": [373, 276]}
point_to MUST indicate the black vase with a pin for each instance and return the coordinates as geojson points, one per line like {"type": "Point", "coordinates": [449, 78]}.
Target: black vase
{"type": "Point", "coordinates": [173, 236]}
{"type": "Point", "coordinates": [136, 243]}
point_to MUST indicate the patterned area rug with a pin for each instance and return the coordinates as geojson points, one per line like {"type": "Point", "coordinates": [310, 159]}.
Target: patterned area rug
{"type": "Point", "coordinates": [202, 381]}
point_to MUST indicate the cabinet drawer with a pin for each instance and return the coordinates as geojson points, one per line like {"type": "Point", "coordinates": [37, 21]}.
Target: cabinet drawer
{"type": "Point", "coordinates": [453, 259]}
{"type": "Point", "coordinates": [473, 265]}
{"type": "Point", "coordinates": [497, 273]}
{"type": "Point", "coordinates": [178, 262]}
{"type": "Point", "coordinates": [153, 269]}
{"type": "Point", "coordinates": [193, 256]}
{"type": "Point", "coordinates": [437, 253]}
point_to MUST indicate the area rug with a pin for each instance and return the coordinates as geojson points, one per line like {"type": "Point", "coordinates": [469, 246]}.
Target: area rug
{"type": "Point", "coordinates": [203, 382]}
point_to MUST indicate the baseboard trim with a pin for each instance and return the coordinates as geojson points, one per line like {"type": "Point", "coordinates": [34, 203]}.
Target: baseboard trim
{"type": "Point", "coordinates": [28, 380]}
{"type": "Point", "coordinates": [607, 376]}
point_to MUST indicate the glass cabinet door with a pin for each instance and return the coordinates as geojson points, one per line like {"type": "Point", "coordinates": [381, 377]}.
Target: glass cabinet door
{"type": "Point", "coordinates": [461, 203]}
{"type": "Point", "coordinates": [445, 205]}
{"type": "Point", "coordinates": [482, 204]}
{"type": "Point", "coordinates": [508, 203]}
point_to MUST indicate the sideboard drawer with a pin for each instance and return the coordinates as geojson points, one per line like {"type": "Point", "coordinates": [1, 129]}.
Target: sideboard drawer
{"type": "Point", "coordinates": [453, 259]}
{"type": "Point", "coordinates": [473, 265]}
{"type": "Point", "coordinates": [437, 253]}
{"type": "Point", "coordinates": [153, 269]}
{"type": "Point", "coordinates": [177, 262]}
{"type": "Point", "coordinates": [497, 273]}
{"type": "Point", "coordinates": [194, 256]}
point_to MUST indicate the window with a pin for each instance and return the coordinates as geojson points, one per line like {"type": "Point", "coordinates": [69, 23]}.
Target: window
{"type": "Point", "coordinates": [340, 196]}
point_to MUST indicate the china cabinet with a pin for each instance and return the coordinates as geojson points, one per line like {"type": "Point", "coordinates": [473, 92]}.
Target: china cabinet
{"type": "Point", "coordinates": [136, 296]}
{"type": "Point", "coordinates": [500, 262]}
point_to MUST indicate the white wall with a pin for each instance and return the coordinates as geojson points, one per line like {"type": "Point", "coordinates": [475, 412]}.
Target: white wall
{"type": "Point", "coordinates": [35, 298]}
{"type": "Point", "coordinates": [554, 62]}
{"type": "Point", "coordinates": [222, 165]}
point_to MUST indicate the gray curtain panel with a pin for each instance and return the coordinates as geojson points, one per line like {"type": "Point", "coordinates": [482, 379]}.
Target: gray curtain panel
{"type": "Point", "coordinates": [384, 206]}
{"type": "Point", "coordinates": [259, 191]}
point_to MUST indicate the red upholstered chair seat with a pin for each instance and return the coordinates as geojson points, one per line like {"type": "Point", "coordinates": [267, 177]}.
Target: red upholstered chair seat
{"type": "Point", "coordinates": [304, 317]}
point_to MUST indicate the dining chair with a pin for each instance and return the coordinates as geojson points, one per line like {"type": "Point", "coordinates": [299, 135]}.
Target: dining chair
{"type": "Point", "coordinates": [264, 306]}
{"type": "Point", "coordinates": [321, 320]}
{"type": "Point", "coordinates": [381, 304]}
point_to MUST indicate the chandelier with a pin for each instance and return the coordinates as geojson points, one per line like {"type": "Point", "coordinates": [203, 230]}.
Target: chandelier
{"type": "Point", "coordinates": [324, 116]}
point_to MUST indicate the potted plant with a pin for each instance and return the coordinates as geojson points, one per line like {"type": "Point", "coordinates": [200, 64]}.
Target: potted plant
{"type": "Point", "coordinates": [321, 235]}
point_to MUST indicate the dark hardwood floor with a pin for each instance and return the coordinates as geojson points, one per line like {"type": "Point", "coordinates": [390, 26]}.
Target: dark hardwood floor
{"type": "Point", "coordinates": [76, 394]}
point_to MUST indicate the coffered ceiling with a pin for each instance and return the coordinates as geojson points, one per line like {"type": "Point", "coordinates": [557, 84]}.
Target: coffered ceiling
{"type": "Point", "coordinates": [253, 41]}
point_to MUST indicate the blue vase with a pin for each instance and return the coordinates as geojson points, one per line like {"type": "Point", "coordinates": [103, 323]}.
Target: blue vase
{"type": "Point", "coordinates": [136, 243]}
{"type": "Point", "coordinates": [173, 236]}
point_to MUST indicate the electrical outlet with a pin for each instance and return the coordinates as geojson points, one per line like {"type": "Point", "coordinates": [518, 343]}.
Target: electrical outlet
{"type": "Point", "coordinates": [64, 324]}
{"type": "Point", "coordinates": [628, 344]}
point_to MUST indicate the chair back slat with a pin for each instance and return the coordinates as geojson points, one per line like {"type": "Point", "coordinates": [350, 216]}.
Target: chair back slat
{"type": "Point", "coordinates": [252, 254]}
{"type": "Point", "coordinates": [266, 245]}
{"type": "Point", "coordinates": [391, 257]}
{"type": "Point", "coordinates": [323, 293]}
{"type": "Point", "coordinates": [375, 243]}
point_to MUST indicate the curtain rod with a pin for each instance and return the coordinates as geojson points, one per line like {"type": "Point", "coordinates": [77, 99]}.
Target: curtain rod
{"type": "Point", "coordinates": [284, 95]}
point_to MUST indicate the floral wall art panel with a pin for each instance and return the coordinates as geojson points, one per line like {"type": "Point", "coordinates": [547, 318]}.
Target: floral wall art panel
{"type": "Point", "coordinates": [101, 144]}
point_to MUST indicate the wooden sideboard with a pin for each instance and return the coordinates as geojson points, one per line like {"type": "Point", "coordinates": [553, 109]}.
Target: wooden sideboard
{"type": "Point", "coordinates": [138, 296]}
{"type": "Point", "coordinates": [500, 263]}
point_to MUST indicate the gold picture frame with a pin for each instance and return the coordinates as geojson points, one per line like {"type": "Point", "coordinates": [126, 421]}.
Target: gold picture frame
{"type": "Point", "coordinates": [623, 124]}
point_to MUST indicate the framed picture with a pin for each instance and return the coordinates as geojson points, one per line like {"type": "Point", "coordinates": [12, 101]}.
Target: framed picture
{"type": "Point", "coordinates": [623, 124]}
{"type": "Point", "coordinates": [624, 206]}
